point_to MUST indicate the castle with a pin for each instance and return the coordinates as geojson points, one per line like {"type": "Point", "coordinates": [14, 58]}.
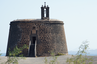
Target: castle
{"type": "Point", "coordinates": [41, 35]}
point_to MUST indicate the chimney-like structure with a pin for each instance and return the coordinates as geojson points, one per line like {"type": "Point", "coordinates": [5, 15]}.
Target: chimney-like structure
{"type": "Point", "coordinates": [45, 12]}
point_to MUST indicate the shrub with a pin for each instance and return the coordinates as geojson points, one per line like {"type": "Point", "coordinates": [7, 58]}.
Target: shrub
{"type": "Point", "coordinates": [59, 54]}
{"type": "Point", "coordinates": [53, 57]}
{"type": "Point", "coordinates": [0, 53]}
{"type": "Point", "coordinates": [12, 59]}
{"type": "Point", "coordinates": [81, 56]}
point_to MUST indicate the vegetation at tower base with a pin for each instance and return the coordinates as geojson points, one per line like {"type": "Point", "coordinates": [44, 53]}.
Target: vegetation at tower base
{"type": "Point", "coordinates": [60, 54]}
{"type": "Point", "coordinates": [81, 56]}
{"type": "Point", "coordinates": [12, 59]}
{"type": "Point", "coordinates": [53, 59]}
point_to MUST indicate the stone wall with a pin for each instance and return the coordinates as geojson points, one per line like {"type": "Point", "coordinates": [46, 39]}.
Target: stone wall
{"type": "Point", "coordinates": [50, 36]}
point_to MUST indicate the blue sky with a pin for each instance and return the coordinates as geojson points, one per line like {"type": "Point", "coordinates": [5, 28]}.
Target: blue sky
{"type": "Point", "coordinates": [79, 17]}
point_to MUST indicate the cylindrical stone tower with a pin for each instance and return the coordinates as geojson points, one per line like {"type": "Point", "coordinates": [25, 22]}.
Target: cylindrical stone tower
{"type": "Point", "coordinates": [42, 36]}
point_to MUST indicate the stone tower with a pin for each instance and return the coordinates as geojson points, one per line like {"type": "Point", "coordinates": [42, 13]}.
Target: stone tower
{"type": "Point", "coordinates": [42, 35]}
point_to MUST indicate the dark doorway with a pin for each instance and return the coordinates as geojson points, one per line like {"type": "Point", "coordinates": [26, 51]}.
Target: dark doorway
{"type": "Point", "coordinates": [32, 47]}
{"type": "Point", "coordinates": [33, 40]}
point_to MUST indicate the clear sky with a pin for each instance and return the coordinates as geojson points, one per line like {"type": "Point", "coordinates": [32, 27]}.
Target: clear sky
{"type": "Point", "coordinates": [79, 16]}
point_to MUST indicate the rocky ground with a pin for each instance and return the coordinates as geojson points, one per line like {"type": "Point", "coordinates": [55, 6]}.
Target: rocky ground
{"type": "Point", "coordinates": [40, 60]}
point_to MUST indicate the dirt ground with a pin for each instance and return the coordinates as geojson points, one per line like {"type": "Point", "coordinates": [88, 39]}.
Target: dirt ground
{"type": "Point", "coordinates": [40, 60]}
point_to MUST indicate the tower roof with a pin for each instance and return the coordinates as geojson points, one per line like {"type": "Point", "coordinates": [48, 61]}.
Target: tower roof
{"type": "Point", "coordinates": [54, 21]}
